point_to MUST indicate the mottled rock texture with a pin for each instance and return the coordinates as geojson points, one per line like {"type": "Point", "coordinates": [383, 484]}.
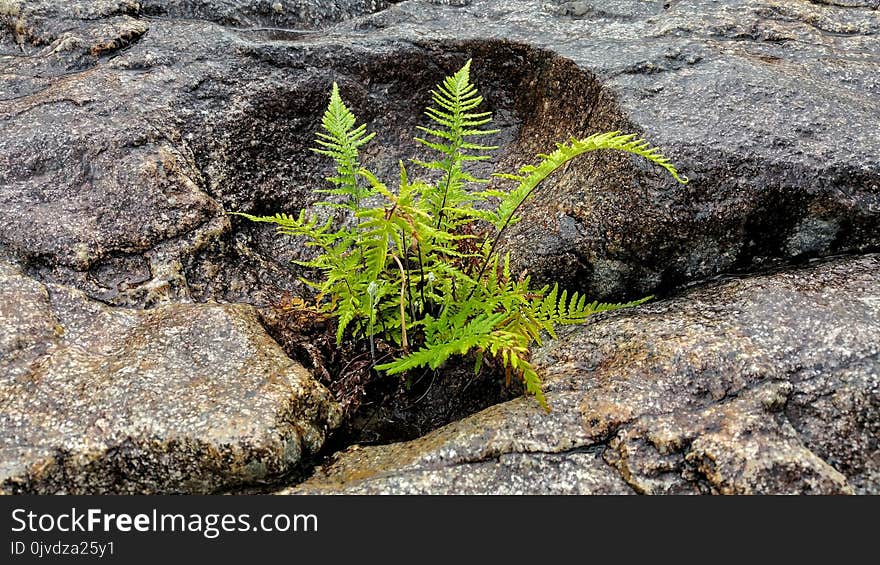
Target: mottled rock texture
{"type": "Point", "coordinates": [129, 128]}
{"type": "Point", "coordinates": [764, 104]}
{"type": "Point", "coordinates": [191, 398]}
{"type": "Point", "coordinates": [769, 384]}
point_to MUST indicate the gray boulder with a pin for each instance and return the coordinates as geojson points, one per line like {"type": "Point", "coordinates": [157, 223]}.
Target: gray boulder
{"type": "Point", "coordinates": [178, 399]}
{"type": "Point", "coordinates": [768, 108]}
{"type": "Point", "coordinates": [131, 128]}
{"type": "Point", "coordinates": [761, 385]}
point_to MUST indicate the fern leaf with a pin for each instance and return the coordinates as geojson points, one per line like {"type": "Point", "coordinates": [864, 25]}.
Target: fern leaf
{"type": "Point", "coordinates": [455, 121]}
{"type": "Point", "coordinates": [533, 384]}
{"type": "Point", "coordinates": [476, 334]}
{"type": "Point", "coordinates": [557, 308]}
{"type": "Point", "coordinates": [279, 219]}
{"type": "Point", "coordinates": [341, 143]}
{"type": "Point", "coordinates": [532, 175]}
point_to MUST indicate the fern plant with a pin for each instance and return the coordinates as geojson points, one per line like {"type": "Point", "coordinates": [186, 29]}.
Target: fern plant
{"type": "Point", "coordinates": [422, 269]}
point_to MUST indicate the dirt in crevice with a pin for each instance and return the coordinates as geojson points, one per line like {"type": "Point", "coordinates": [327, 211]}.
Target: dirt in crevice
{"type": "Point", "coordinates": [378, 408]}
{"type": "Point", "coordinates": [260, 163]}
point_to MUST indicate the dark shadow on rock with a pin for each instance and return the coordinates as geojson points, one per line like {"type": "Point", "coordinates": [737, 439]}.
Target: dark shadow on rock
{"type": "Point", "coordinates": [257, 159]}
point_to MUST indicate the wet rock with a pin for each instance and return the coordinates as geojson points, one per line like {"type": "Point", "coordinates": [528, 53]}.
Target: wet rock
{"type": "Point", "coordinates": [179, 399]}
{"type": "Point", "coordinates": [131, 127]}
{"type": "Point", "coordinates": [760, 103]}
{"type": "Point", "coordinates": [279, 13]}
{"type": "Point", "coordinates": [767, 384]}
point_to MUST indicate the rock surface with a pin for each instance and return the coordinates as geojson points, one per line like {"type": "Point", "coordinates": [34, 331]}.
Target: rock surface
{"type": "Point", "coordinates": [130, 128]}
{"type": "Point", "coordinates": [762, 103]}
{"type": "Point", "coordinates": [188, 399]}
{"type": "Point", "coordinates": [768, 384]}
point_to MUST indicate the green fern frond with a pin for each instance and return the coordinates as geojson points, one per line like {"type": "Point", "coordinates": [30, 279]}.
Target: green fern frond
{"type": "Point", "coordinates": [341, 142]}
{"type": "Point", "coordinates": [279, 219]}
{"type": "Point", "coordinates": [456, 121]}
{"type": "Point", "coordinates": [475, 334]}
{"type": "Point", "coordinates": [557, 309]}
{"type": "Point", "coordinates": [420, 264]}
{"type": "Point", "coordinates": [320, 235]}
{"type": "Point", "coordinates": [533, 384]}
{"type": "Point", "coordinates": [344, 317]}
{"type": "Point", "coordinates": [532, 175]}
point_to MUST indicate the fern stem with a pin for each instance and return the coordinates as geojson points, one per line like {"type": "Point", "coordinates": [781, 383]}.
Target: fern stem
{"type": "Point", "coordinates": [497, 239]}
{"type": "Point", "coordinates": [446, 190]}
{"type": "Point", "coordinates": [412, 311]}
{"type": "Point", "coordinates": [422, 274]}
{"type": "Point", "coordinates": [402, 309]}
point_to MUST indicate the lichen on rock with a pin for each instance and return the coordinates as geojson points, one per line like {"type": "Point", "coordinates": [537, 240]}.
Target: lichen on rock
{"type": "Point", "coordinates": [186, 398]}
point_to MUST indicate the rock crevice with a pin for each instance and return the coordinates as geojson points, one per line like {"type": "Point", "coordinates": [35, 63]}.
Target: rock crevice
{"type": "Point", "coordinates": [131, 128]}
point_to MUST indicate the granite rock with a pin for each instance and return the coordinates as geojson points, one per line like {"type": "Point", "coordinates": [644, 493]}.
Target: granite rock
{"type": "Point", "coordinates": [762, 385]}
{"type": "Point", "coordinates": [186, 398]}
{"type": "Point", "coordinates": [130, 129]}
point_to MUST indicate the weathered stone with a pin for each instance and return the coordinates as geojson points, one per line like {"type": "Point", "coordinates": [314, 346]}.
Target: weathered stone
{"type": "Point", "coordinates": [42, 22]}
{"type": "Point", "coordinates": [130, 128]}
{"type": "Point", "coordinates": [769, 384]}
{"type": "Point", "coordinates": [762, 104]}
{"type": "Point", "coordinates": [278, 13]}
{"type": "Point", "coordinates": [123, 148]}
{"type": "Point", "coordinates": [182, 398]}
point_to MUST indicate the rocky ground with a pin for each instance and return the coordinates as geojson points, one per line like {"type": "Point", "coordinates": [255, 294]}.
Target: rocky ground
{"type": "Point", "coordinates": [133, 357]}
{"type": "Point", "coordinates": [764, 384]}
